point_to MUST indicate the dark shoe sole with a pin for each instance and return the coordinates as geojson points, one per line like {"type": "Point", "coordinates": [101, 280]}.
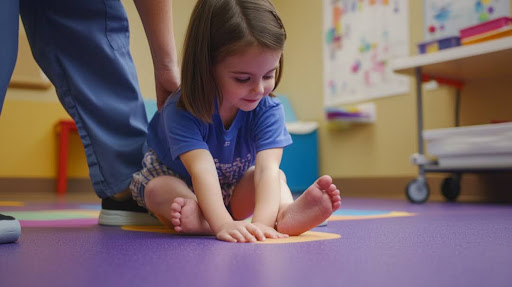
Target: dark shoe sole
{"type": "Point", "coordinates": [121, 217]}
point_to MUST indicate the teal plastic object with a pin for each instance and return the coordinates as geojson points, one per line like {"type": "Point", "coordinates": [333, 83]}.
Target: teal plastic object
{"type": "Point", "coordinates": [289, 114]}
{"type": "Point", "coordinates": [300, 159]}
{"type": "Point", "coordinates": [151, 108]}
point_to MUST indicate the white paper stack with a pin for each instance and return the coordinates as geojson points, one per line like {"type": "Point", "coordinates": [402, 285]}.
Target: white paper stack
{"type": "Point", "coordinates": [482, 146]}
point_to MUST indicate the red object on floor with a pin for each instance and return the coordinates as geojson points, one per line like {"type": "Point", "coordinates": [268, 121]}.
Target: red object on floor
{"type": "Point", "coordinates": [63, 128]}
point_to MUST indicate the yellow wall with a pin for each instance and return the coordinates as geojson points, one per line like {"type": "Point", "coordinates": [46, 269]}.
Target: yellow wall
{"type": "Point", "coordinates": [383, 148]}
{"type": "Point", "coordinates": [28, 143]}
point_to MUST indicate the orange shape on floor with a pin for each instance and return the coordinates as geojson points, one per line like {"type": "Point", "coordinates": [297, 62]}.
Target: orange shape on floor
{"type": "Point", "coordinates": [305, 237]}
{"type": "Point", "coordinates": [389, 215]}
{"type": "Point", "coordinates": [12, 203]}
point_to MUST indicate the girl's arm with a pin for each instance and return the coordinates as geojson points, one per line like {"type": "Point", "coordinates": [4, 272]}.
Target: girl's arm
{"type": "Point", "coordinates": [201, 167]}
{"type": "Point", "coordinates": [268, 186]}
{"type": "Point", "coordinates": [199, 164]}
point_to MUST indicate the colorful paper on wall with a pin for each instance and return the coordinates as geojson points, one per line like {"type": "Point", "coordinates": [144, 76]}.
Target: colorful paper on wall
{"type": "Point", "coordinates": [445, 18]}
{"type": "Point", "coordinates": [360, 37]}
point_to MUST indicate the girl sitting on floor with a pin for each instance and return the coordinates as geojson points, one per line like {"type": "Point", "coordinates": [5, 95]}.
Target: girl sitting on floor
{"type": "Point", "coordinates": [216, 145]}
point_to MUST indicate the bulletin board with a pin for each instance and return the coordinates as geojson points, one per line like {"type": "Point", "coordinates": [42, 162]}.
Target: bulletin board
{"type": "Point", "coordinates": [360, 37]}
{"type": "Point", "coordinates": [444, 18]}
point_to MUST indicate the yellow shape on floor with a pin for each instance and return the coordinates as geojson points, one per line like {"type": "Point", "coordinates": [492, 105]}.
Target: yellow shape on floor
{"type": "Point", "coordinates": [389, 215]}
{"type": "Point", "coordinates": [12, 203]}
{"type": "Point", "coordinates": [147, 228]}
{"type": "Point", "coordinates": [305, 237]}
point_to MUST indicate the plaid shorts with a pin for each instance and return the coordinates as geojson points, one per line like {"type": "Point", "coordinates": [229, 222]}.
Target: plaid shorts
{"type": "Point", "coordinates": [152, 167]}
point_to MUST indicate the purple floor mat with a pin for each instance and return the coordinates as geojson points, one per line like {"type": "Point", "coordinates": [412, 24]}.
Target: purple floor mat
{"type": "Point", "coordinates": [441, 245]}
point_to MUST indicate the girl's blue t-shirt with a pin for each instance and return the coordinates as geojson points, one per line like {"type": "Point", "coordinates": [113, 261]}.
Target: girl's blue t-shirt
{"type": "Point", "coordinates": [174, 131]}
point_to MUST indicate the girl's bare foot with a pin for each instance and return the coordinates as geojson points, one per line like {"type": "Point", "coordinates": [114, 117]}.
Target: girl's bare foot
{"type": "Point", "coordinates": [314, 206]}
{"type": "Point", "coordinates": [186, 217]}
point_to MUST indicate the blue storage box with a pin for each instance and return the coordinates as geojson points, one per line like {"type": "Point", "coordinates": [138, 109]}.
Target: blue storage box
{"type": "Point", "coordinates": [436, 45]}
{"type": "Point", "coordinates": [300, 159]}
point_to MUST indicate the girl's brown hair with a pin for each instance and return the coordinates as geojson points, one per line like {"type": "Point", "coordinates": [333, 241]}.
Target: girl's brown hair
{"type": "Point", "coordinates": [217, 29]}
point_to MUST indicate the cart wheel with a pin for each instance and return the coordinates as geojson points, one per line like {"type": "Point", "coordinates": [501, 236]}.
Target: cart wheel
{"type": "Point", "coordinates": [417, 191]}
{"type": "Point", "coordinates": [450, 188]}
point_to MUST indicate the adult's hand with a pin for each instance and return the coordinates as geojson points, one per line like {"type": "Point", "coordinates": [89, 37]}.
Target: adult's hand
{"type": "Point", "coordinates": [167, 81]}
{"type": "Point", "coordinates": [156, 17]}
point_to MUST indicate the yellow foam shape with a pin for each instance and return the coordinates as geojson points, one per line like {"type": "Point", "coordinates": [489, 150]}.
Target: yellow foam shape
{"type": "Point", "coordinates": [305, 237]}
{"type": "Point", "coordinates": [389, 215]}
{"type": "Point", "coordinates": [11, 203]}
{"type": "Point", "coordinates": [149, 228]}
{"type": "Point", "coordinates": [84, 212]}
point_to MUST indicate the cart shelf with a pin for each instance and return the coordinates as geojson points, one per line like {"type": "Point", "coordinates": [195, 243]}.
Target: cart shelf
{"type": "Point", "coordinates": [487, 60]}
{"type": "Point", "coordinates": [482, 61]}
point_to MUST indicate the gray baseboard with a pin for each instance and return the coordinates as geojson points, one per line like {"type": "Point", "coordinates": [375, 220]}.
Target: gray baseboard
{"type": "Point", "coordinates": [474, 187]}
{"type": "Point", "coordinates": [494, 187]}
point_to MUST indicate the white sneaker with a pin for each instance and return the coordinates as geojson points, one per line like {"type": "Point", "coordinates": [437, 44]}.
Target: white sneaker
{"type": "Point", "coordinates": [128, 212]}
{"type": "Point", "coordinates": [10, 229]}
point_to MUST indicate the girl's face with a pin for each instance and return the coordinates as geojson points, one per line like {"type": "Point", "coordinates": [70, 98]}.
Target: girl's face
{"type": "Point", "coordinates": [245, 78]}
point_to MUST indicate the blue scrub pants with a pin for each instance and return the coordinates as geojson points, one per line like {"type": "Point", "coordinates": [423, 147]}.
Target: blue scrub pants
{"type": "Point", "coordinates": [83, 48]}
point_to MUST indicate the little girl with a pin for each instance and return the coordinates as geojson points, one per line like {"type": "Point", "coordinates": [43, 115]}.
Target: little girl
{"type": "Point", "coordinates": [216, 145]}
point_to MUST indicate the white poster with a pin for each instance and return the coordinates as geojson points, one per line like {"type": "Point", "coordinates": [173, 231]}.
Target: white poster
{"type": "Point", "coordinates": [360, 37]}
{"type": "Point", "coordinates": [444, 18]}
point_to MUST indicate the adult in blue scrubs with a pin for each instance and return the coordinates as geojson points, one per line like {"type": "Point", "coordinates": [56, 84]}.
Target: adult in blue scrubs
{"type": "Point", "coordinates": [83, 48]}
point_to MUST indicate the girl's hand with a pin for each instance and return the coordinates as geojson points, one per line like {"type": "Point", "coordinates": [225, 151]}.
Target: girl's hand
{"type": "Point", "coordinates": [270, 232]}
{"type": "Point", "coordinates": [240, 231]}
